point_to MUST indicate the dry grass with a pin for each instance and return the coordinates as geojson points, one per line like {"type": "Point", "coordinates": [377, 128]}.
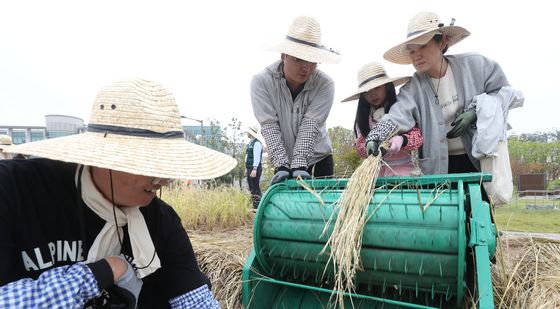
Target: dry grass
{"type": "Point", "coordinates": [221, 256]}
{"type": "Point", "coordinates": [527, 274]}
{"type": "Point", "coordinates": [344, 243]}
{"type": "Point", "coordinates": [221, 207]}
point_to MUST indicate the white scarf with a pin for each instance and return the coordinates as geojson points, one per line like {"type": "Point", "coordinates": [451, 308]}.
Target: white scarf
{"type": "Point", "coordinates": [107, 241]}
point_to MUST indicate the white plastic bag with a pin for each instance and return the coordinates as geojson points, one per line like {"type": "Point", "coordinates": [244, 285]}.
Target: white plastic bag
{"type": "Point", "coordinates": [500, 189]}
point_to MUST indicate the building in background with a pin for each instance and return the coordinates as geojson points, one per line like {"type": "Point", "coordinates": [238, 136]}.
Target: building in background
{"type": "Point", "coordinates": [56, 126]}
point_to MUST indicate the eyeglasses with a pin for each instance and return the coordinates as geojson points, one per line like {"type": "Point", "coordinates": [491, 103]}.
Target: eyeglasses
{"type": "Point", "coordinates": [302, 63]}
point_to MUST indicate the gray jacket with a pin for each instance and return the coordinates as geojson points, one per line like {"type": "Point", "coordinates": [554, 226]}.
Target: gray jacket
{"type": "Point", "coordinates": [474, 74]}
{"type": "Point", "coordinates": [273, 105]}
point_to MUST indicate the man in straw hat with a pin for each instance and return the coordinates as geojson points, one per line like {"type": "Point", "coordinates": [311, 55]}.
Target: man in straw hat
{"type": "Point", "coordinates": [440, 97]}
{"type": "Point", "coordinates": [292, 99]}
{"type": "Point", "coordinates": [81, 226]}
{"type": "Point", "coordinates": [5, 141]}
{"type": "Point", "coordinates": [253, 163]}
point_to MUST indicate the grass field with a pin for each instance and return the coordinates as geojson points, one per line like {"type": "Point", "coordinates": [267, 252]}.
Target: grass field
{"type": "Point", "coordinates": [515, 216]}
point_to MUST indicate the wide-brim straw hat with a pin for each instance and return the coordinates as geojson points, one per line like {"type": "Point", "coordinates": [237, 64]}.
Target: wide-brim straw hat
{"type": "Point", "coordinates": [421, 29]}
{"type": "Point", "coordinates": [303, 41]}
{"type": "Point", "coordinates": [5, 141]}
{"type": "Point", "coordinates": [135, 127]}
{"type": "Point", "coordinates": [255, 132]}
{"type": "Point", "coordinates": [373, 75]}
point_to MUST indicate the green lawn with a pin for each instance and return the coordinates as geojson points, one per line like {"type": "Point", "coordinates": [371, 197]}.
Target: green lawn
{"type": "Point", "coordinates": [515, 217]}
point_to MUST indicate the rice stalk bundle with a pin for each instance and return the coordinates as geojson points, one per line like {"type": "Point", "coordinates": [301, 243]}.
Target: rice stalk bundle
{"type": "Point", "coordinates": [345, 241]}
{"type": "Point", "coordinates": [221, 256]}
{"type": "Point", "coordinates": [527, 274]}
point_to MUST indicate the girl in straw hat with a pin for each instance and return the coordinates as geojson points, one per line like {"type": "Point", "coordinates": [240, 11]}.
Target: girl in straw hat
{"type": "Point", "coordinates": [440, 97]}
{"type": "Point", "coordinates": [292, 99]}
{"type": "Point", "coordinates": [81, 226]}
{"type": "Point", "coordinates": [376, 94]}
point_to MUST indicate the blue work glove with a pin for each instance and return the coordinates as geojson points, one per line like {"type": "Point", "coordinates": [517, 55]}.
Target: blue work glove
{"type": "Point", "coordinates": [125, 292]}
{"type": "Point", "coordinates": [461, 124]}
{"type": "Point", "coordinates": [373, 148]}
{"type": "Point", "coordinates": [300, 173]}
{"type": "Point", "coordinates": [280, 175]}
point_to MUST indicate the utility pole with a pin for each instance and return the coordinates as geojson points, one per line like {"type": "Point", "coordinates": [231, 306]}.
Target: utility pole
{"type": "Point", "coordinates": [201, 128]}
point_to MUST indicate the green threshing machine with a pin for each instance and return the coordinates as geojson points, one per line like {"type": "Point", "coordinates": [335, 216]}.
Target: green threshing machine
{"type": "Point", "coordinates": [428, 245]}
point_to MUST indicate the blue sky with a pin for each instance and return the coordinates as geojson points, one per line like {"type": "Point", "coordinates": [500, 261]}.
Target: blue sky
{"type": "Point", "coordinates": [55, 55]}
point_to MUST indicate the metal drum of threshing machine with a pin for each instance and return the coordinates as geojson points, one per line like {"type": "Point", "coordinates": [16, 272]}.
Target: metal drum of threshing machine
{"type": "Point", "coordinates": [414, 245]}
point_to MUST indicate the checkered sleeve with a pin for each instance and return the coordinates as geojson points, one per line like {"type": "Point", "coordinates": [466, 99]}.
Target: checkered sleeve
{"type": "Point", "coordinates": [276, 150]}
{"type": "Point", "coordinates": [200, 298]}
{"type": "Point", "coordinates": [305, 142]}
{"type": "Point", "coordinates": [61, 287]}
{"type": "Point", "coordinates": [381, 131]}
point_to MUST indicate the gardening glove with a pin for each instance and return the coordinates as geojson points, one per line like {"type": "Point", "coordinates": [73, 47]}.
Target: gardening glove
{"type": "Point", "coordinates": [395, 143]}
{"type": "Point", "coordinates": [373, 148]}
{"type": "Point", "coordinates": [125, 292]}
{"type": "Point", "coordinates": [300, 173]}
{"type": "Point", "coordinates": [461, 124]}
{"type": "Point", "coordinates": [280, 175]}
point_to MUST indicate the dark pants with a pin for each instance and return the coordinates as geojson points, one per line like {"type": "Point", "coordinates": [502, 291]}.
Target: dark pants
{"type": "Point", "coordinates": [462, 164]}
{"type": "Point", "coordinates": [323, 168]}
{"type": "Point", "coordinates": [254, 186]}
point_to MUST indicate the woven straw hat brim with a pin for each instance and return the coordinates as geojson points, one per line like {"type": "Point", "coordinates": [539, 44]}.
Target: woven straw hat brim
{"type": "Point", "coordinates": [306, 52]}
{"type": "Point", "coordinates": [164, 158]}
{"type": "Point", "coordinates": [399, 54]}
{"type": "Point", "coordinates": [397, 81]}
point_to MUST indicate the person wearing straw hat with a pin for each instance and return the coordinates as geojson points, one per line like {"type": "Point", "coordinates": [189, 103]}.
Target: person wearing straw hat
{"type": "Point", "coordinates": [253, 163]}
{"type": "Point", "coordinates": [5, 141]}
{"type": "Point", "coordinates": [292, 99]}
{"type": "Point", "coordinates": [376, 94]}
{"type": "Point", "coordinates": [440, 97]}
{"type": "Point", "coordinates": [81, 226]}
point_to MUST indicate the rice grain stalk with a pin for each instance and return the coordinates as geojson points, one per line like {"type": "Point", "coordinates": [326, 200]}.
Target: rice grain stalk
{"type": "Point", "coordinates": [346, 238]}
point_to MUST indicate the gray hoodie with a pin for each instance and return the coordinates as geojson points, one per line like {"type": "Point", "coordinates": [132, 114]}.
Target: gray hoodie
{"type": "Point", "coordinates": [474, 74]}
{"type": "Point", "coordinates": [297, 119]}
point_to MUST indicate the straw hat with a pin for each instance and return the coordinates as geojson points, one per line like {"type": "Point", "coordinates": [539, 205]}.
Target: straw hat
{"type": "Point", "coordinates": [421, 29]}
{"type": "Point", "coordinates": [373, 75]}
{"type": "Point", "coordinates": [5, 140]}
{"type": "Point", "coordinates": [255, 132]}
{"type": "Point", "coordinates": [134, 127]}
{"type": "Point", "coordinates": [303, 41]}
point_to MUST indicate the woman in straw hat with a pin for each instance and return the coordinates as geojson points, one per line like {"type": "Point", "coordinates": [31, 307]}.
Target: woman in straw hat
{"type": "Point", "coordinates": [81, 225]}
{"type": "Point", "coordinates": [292, 99]}
{"type": "Point", "coordinates": [376, 94]}
{"type": "Point", "coordinates": [5, 141]}
{"type": "Point", "coordinates": [440, 97]}
{"type": "Point", "coordinates": [253, 163]}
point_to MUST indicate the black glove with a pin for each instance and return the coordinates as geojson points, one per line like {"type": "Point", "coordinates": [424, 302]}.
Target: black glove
{"type": "Point", "coordinates": [300, 172]}
{"type": "Point", "coordinates": [461, 124]}
{"type": "Point", "coordinates": [281, 174]}
{"type": "Point", "coordinates": [119, 298]}
{"type": "Point", "coordinates": [373, 148]}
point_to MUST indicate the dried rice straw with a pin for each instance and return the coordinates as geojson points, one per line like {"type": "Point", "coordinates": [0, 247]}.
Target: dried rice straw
{"type": "Point", "coordinates": [346, 238]}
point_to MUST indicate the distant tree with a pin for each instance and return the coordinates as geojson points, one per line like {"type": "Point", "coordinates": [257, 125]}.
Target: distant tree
{"type": "Point", "coordinates": [236, 148]}
{"type": "Point", "coordinates": [535, 154]}
{"type": "Point", "coordinates": [346, 158]}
